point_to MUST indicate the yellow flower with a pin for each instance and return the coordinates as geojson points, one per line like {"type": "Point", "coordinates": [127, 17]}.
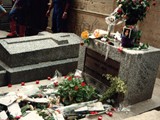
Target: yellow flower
{"type": "Point", "coordinates": [85, 34]}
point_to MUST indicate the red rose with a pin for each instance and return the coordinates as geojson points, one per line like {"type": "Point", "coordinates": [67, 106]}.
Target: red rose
{"type": "Point", "coordinates": [18, 117]}
{"type": "Point", "coordinates": [83, 84]}
{"type": "Point", "coordinates": [109, 114]}
{"type": "Point", "coordinates": [120, 49]}
{"type": "Point", "coordinates": [119, 11]}
{"type": "Point", "coordinates": [93, 112]}
{"type": "Point", "coordinates": [55, 84]}
{"type": "Point", "coordinates": [69, 78]}
{"type": "Point", "coordinates": [49, 78]}
{"type": "Point", "coordinates": [9, 85]}
{"type": "Point", "coordinates": [76, 88]}
{"type": "Point", "coordinates": [100, 118]}
{"type": "Point", "coordinates": [22, 83]}
{"type": "Point", "coordinates": [37, 81]}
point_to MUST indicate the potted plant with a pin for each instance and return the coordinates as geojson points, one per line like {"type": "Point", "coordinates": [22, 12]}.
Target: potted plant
{"type": "Point", "coordinates": [116, 90]}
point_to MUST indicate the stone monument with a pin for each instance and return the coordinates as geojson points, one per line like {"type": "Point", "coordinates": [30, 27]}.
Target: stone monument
{"type": "Point", "coordinates": [25, 59]}
{"type": "Point", "coordinates": [138, 68]}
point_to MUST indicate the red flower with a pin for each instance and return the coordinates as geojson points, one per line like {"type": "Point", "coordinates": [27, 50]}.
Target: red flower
{"type": "Point", "coordinates": [109, 114]}
{"type": "Point", "coordinates": [76, 88]}
{"type": "Point", "coordinates": [9, 85]}
{"type": "Point", "coordinates": [55, 83]}
{"type": "Point", "coordinates": [119, 11]}
{"type": "Point", "coordinates": [49, 78]}
{"type": "Point", "coordinates": [18, 117]}
{"type": "Point", "coordinates": [120, 49]}
{"type": "Point", "coordinates": [83, 84]}
{"type": "Point", "coordinates": [37, 81]}
{"type": "Point", "coordinates": [93, 112]}
{"type": "Point", "coordinates": [22, 83]}
{"type": "Point", "coordinates": [100, 118]}
{"type": "Point", "coordinates": [69, 78]}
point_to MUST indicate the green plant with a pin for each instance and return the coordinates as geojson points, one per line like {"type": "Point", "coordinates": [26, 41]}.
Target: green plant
{"type": "Point", "coordinates": [116, 86]}
{"type": "Point", "coordinates": [73, 89]}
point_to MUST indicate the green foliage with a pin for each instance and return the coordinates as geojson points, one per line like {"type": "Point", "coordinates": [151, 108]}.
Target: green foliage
{"type": "Point", "coordinates": [74, 90]}
{"type": "Point", "coordinates": [46, 115]}
{"type": "Point", "coordinates": [133, 8]}
{"type": "Point", "coordinates": [116, 86]}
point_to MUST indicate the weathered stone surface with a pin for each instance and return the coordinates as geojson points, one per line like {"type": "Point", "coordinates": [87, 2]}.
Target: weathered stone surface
{"type": "Point", "coordinates": [2, 76]}
{"type": "Point", "coordinates": [41, 71]}
{"type": "Point", "coordinates": [137, 67]}
{"type": "Point", "coordinates": [36, 57]}
{"type": "Point", "coordinates": [33, 50]}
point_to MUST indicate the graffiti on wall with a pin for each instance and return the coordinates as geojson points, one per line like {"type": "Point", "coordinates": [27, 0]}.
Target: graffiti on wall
{"type": "Point", "coordinates": [86, 23]}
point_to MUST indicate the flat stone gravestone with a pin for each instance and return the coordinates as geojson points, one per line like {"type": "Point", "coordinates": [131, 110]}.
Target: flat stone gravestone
{"type": "Point", "coordinates": [36, 57]}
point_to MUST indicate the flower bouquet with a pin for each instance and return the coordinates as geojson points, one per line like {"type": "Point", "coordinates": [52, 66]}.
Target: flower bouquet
{"type": "Point", "coordinates": [73, 89]}
{"type": "Point", "coordinates": [132, 11]}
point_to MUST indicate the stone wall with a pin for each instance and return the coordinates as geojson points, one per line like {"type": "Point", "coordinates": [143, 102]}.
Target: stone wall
{"type": "Point", "coordinates": [151, 28]}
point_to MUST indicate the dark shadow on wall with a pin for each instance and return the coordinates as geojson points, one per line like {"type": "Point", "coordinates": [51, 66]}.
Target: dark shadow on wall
{"type": "Point", "coordinates": [37, 20]}
{"type": "Point", "coordinates": [36, 16]}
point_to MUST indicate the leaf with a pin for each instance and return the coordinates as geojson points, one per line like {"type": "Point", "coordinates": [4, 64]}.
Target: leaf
{"type": "Point", "coordinates": [71, 85]}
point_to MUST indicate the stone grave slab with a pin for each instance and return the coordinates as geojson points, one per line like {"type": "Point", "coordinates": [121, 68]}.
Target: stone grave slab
{"type": "Point", "coordinates": [36, 57]}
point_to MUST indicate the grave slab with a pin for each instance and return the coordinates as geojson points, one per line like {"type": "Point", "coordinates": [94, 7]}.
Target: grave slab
{"type": "Point", "coordinates": [36, 57]}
